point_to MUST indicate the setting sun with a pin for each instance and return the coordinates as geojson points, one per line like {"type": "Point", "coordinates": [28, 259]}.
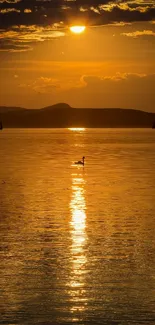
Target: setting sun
{"type": "Point", "coordinates": [77, 29]}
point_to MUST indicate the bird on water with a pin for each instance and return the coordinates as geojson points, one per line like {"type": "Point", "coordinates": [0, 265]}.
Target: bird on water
{"type": "Point", "coordinates": [80, 162]}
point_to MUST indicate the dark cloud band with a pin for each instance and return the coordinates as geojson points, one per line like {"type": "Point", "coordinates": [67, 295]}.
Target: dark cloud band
{"type": "Point", "coordinates": [94, 12]}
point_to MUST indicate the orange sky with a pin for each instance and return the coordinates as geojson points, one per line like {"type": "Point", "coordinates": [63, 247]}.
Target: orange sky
{"type": "Point", "coordinates": [110, 65]}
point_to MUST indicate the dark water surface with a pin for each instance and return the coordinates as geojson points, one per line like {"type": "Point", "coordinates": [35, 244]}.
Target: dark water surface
{"type": "Point", "coordinates": [77, 244]}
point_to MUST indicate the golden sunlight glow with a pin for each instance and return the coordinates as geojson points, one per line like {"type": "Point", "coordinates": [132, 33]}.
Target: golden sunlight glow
{"type": "Point", "coordinates": [77, 206]}
{"type": "Point", "coordinates": [77, 129]}
{"type": "Point", "coordinates": [77, 29]}
{"type": "Point", "coordinates": [78, 245]}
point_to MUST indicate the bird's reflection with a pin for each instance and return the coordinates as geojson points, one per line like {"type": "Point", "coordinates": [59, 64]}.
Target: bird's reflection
{"type": "Point", "coordinates": [78, 245]}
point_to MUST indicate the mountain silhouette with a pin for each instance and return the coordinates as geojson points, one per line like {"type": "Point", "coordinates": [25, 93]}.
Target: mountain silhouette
{"type": "Point", "coordinates": [62, 106]}
{"type": "Point", "coordinates": [62, 115]}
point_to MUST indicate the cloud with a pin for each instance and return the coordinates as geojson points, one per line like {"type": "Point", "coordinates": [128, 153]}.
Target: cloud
{"type": "Point", "coordinates": [139, 33]}
{"type": "Point", "coordinates": [119, 24]}
{"type": "Point", "coordinates": [20, 39]}
{"type": "Point", "coordinates": [126, 90]}
{"type": "Point", "coordinates": [118, 77]}
{"type": "Point", "coordinates": [42, 85]}
{"type": "Point", "coordinates": [13, 47]}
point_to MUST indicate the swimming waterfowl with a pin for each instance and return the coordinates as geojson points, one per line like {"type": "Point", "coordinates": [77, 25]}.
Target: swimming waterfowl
{"type": "Point", "coordinates": [80, 162]}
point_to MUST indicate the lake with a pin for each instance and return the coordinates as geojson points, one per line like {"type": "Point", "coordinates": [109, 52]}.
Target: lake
{"type": "Point", "coordinates": [77, 243]}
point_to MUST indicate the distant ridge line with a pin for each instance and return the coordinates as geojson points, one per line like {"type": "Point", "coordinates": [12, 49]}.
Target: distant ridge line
{"type": "Point", "coordinates": [62, 115]}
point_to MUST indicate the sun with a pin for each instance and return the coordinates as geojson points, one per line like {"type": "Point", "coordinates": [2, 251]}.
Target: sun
{"type": "Point", "coordinates": [77, 29]}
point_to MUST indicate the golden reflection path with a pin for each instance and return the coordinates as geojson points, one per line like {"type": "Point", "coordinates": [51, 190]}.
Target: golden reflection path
{"type": "Point", "coordinates": [78, 233]}
{"type": "Point", "coordinates": [77, 129]}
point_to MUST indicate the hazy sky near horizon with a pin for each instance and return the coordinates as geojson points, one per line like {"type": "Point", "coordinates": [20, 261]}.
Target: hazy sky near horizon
{"type": "Point", "coordinates": [111, 64]}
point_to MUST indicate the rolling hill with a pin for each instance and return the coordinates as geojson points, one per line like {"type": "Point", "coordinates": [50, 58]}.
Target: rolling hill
{"type": "Point", "coordinates": [62, 115]}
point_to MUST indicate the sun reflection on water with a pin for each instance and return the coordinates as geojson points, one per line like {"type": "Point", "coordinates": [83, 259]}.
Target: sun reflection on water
{"type": "Point", "coordinates": [77, 129]}
{"type": "Point", "coordinates": [78, 247]}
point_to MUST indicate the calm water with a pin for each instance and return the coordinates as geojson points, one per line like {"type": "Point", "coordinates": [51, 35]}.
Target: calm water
{"type": "Point", "coordinates": [77, 243]}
